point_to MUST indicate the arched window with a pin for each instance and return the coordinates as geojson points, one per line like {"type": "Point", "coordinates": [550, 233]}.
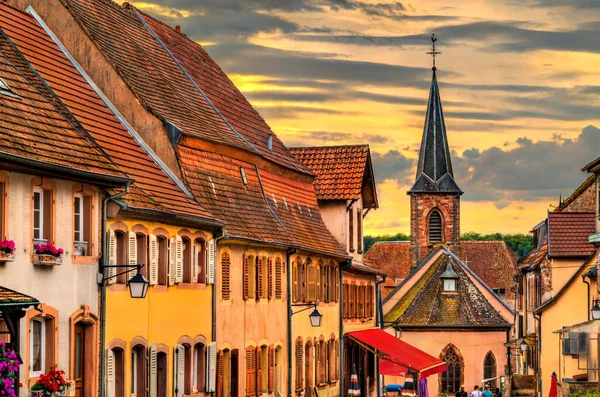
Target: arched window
{"type": "Point", "coordinates": [435, 227]}
{"type": "Point", "coordinates": [138, 371]}
{"type": "Point", "coordinates": [453, 376]}
{"type": "Point", "coordinates": [309, 367]}
{"type": "Point", "coordinates": [489, 369]}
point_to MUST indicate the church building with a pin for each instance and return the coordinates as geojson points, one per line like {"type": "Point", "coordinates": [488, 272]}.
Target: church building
{"type": "Point", "coordinates": [442, 302]}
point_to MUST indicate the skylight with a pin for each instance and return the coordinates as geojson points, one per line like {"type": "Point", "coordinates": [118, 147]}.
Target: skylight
{"type": "Point", "coordinates": [243, 173]}
{"type": "Point", "coordinates": [4, 86]}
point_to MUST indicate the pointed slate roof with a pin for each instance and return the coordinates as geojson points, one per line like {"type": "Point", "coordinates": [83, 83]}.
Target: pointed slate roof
{"type": "Point", "coordinates": [426, 305]}
{"type": "Point", "coordinates": [434, 169]}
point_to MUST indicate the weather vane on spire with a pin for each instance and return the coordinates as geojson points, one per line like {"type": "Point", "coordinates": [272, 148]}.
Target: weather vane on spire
{"type": "Point", "coordinates": [433, 52]}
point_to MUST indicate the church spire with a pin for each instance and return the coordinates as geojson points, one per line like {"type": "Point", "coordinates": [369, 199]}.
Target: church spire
{"type": "Point", "coordinates": [434, 169]}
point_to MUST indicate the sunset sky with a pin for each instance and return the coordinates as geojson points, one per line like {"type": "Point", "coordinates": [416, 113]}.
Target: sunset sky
{"type": "Point", "coordinates": [519, 80]}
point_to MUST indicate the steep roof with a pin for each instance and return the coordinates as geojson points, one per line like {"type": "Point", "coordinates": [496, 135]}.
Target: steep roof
{"type": "Point", "coordinates": [535, 257]}
{"type": "Point", "coordinates": [342, 172]}
{"type": "Point", "coordinates": [426, 305]}
{"type": "Point", "coordinates": [150, 72]}
{"type": "Point", "coordinates": [434, 169]}
{"type": "Point", "coordinates": [223, 94]}
{"type": "Point", "coordinates": [493, 261]}
{"type": "Point", "coordinates": [568, 233]}
{"type": "Point", "coordinates": [153, 190]}
{"type": "Point", "coordinates": [390, 257]}
{"type": "Point", "coordinates": [35, 126]}
{"type": "Point", "coordinates": [577, 193]}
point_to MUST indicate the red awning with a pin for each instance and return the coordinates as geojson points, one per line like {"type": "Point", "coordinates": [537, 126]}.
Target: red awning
{"type": "Point", "coordinates": [398, 354]}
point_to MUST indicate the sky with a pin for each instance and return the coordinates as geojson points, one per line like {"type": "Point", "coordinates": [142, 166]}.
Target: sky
{"type": "Point", "coordinates": [519, 83]}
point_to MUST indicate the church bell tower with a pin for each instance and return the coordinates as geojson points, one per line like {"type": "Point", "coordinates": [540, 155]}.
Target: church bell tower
{"type": "Point", "coordinates": [435, 196]}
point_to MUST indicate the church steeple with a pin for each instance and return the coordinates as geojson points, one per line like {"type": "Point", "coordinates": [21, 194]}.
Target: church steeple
{"type": "Point", "coordinates": [434, 169]}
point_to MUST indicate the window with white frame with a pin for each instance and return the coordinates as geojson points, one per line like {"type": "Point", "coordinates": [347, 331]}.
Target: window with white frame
{"type": "Point", "coordinates": [82, 224]}
{"type": "Point", "coordinates": [37, 342]}
{"type": "Point", "coordinates": [198, 368]}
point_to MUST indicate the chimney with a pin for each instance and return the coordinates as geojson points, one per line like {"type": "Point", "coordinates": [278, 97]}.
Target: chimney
{"type": "Point", "coordinates": [178, 29]}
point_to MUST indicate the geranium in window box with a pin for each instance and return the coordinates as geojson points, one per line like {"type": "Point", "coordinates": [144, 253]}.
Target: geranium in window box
{"type": "Point", "coordinates": [9, 365]}
{"type": "Point", "coordinates": [51, 384]}
{"type": "Point", "coordinates": [7, 250]}
{"type": "Point", "coordinates": [47, 254]}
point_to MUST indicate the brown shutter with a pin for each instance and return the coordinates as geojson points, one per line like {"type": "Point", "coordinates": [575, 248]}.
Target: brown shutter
{"type": "Point", "coordinates": [295, 284]}
{"type": "Point", "coordinates": [246, 284]}
{"type": "Point", "coordinates": [359, 236]}
{"type": "Point", "coordinates": [345, 300]}
{"type": "Point", "coordinates": [87, 220]}
{"type": "Point", "coordinates": [318, 354]}
{"type": "Point", "coordinates": [250, 371]}
{"type": "Point", "coordinates": [259, 278]}
{"type": "Point", "coordinates": [337, 283]}
{"type": "Point", "coordinates": [220, 374]}
{"type": "Point", "coordinates": [259, 369]}
{"type": "Point", "coordinates": [48, 216]}
{"type": "Point", "coordinates": [225, 274]}
{"type": "Point", "coordinates": [318, 282]}
{"type": "Point", "coordinates": [311, 282]}
{"type": "Point", "coordinates": [337, 359]}
{"type": "Point", "coordinates": [351, 231]}
{"type": "Point", "coordinates": [277, 278]}
{"type": "Point", "coordinates": [299, 366]}
{"type": "Point", "coordinates": [271, 369]}
{"type": "Point", "coordinates": [270, 271]}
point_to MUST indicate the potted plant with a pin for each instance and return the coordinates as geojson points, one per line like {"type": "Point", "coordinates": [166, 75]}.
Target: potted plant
{"type": "Point", "coordinates": [47, 254]}
{"type": "Point", "coordinates": [51, 384]}
{"type": "Point", "coordinates": [7, 250]}
{"type": "Point", "coordinates": [9, 365]}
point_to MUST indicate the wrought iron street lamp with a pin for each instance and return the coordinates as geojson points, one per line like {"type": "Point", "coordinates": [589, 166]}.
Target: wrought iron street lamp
{"type": "Point", "coordinates": [524, 346]}
{"type": "Point", "coordinates": [315, 317]}
{"type": "Point", "coordinates": [596, 310]}
{"type": "Point", "coordinates": [138, 284]}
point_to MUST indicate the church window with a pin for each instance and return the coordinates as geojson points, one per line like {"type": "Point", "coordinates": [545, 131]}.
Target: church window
{"type": "Point", "coordinates": [489, 369]}
{"type": "Point", "coordinates": [435, 227]}
{"type": "Point", "coordinates": [451, 378]}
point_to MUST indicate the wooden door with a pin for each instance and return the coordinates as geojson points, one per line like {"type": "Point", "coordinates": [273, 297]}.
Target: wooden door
{"type": "Point", "coordinates": [79, 360]}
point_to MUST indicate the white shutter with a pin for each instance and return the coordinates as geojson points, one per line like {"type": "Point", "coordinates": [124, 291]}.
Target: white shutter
{"type": "Point", "coordinates": [172, 260]}
{"type": "Point", "coordinates": [152, 373]}
{"type": "Point", "coordinates": [132, 254]}
{"type": "Point", "coordinates": [210, 268]}
{"type": "Point", "coordinates": [112, 257]}
{"type": "Point", "coordinates": [153, 259]}
{"type": "Point", "coordinates": [211, 359]}
{"type": "Point", "coordinates": [178, 370]}
{"type": "Point", "coordinates": [110, 373]}
{"type": "Point", "coordinates": [178, 259]}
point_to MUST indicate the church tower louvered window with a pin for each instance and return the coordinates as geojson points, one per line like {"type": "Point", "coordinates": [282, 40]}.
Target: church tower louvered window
{"type": "Point", "coordinates": [435, 227]}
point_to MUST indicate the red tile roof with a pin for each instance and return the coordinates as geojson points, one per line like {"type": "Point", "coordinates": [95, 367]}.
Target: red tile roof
{"type": "Point", "coordinates": [577, 193]}
{"type": "Point", "coordinates": [341, 170]}
{"type": "Point", "coordinates": [153, 189]}
{"type": "Point", "coordinates": [34, 126]}
{"type": "Point", "coordinates": [10, 297]}
{"type": "Point", "coordinates": [390, 257]}
{"type": "Point", "coordinates": [535, 257]}
{"type": "Point", "coordinates": [224, 95]}
{"type": "Point", "coordinates": [568, 233]}
{"type": "Point", "coordinates": [150, 72]}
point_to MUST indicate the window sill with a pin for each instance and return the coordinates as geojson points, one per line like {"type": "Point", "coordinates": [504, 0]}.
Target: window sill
{"type": "Point", "coordinates": [117, 287]}
{"type": "Point", "coordinates": [191, 286]}
{"type": "Point", "coordinates": [83, 260]}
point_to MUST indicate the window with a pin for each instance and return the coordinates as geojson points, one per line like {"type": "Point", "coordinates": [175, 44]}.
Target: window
{"type": "Point", "coordinates": [435, 227]}
{"type": "Point", "coordinates": [351, 299]}
{"type": "Point", "coordinates": [270, 277]}
{"type": "Point", "coordinates": [359, 237]}
{"type": "Point", "coordinates": [297, 280]}
{"type": "Point", "coordinates": [225, 274]}
{"type": "Point", "coordinates": [199, 363]}
{"type": "Point", "coordinates": [309, 365]}
{"type": "Point", "coordinates": [278, 286]}
{"type": "Point", "coordinates": [299, 364]}
{"type": "Point", "coordinates": [250, 276]}
{"type": "Point", "coordinates": [351, 230]}
{"type": "Point", "coordinates": [138, 371]}
{"type": "Point", "coordinates": [250, 371]}
{"type": "Point", "coordinates": [82, 216]}
{"type": "Point", "coordinates": [115, 372]}
{"type": "Point", "coordinates": [5, 87]}
{"type": "Point", "coordinates": [3, 202]}
{"type": "Point", "coordinates": [224, 371]}
{"type": "Point", "coordinates": [489, 369]}
{"type": "Point", "coordinates": [187, 260]}
{"type": "Point", "coordinates": [163, 260]}
{"type": "Point", "coordinates": [141, 243]}
{"type": "Point", "coordinates": [331, 359]}
{"type": "Point", "coordinates": [263, 276]}
{"type": "Point", "coordinates": [37, 347]}
{"type": "Point", "coordinates": [121, 254]}
{"type": "Point", "coordinates": [42, 215]}
{"type": "Point", "coordinates": [346, 301]}
{"type": "Point", "coordinates": [360, 301]}
{"type": "Point", "coordinates": [162, 376]}
{"type": "Point", "coordinates": [311, 281]}
{"type": "Point", "coordinates": [263, 367]}
{"type": "Point", "coordinates": [199, 261]}
{"type": "Point", "coordinates": [451, 379]}
{"type": "Point", "coordinates": [321, 353]}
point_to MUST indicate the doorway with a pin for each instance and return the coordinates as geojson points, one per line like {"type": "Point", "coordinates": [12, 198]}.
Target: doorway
{"type": "Point", "coordinates": [79, 360]}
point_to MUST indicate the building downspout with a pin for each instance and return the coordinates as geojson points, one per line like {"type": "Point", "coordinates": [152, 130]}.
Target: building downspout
{"type": "Point", "coordinates": [588, 296]}
{"type": "Point", "coordinates": [341, 317]}
{"type": "Point", "coordinates": [539, 352]}
{"type": "Point", "coordinates": [104, 273]}
{"type": "Point", "coordinates": [223, 236]}
{"type": "Point", "coordinates": [379, 323]}
{"type": "Point", "coordinates": [289, 328]}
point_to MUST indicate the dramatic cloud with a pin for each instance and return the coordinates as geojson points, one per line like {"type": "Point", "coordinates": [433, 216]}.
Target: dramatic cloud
{"type": "Point", "coordinates": [393, 165]}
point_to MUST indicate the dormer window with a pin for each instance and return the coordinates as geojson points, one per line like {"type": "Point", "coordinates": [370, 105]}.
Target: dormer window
{"type": "Point", "coordinates": [270, 142]}
{"type": "Point", "coordinates": [449, 277]}
{"type": "Point", "coordinates": [4, 86]}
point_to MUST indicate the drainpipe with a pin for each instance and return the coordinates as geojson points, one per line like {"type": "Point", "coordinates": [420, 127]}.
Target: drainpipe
{"type": "Point", "coordinates": [289, 328]}
{"type": "Point", "coordinates": [223, 236]}
{"type": "Point", "coordinates": [539, 352]}
{"type": "Point", "coordinates": [588, 296]}
{"type": "Point", "coordinates": [103, 286]}
{"type": "Point", "coordinates": [341, 302]}
{"type": "Point", "coordinates": [379, 323]}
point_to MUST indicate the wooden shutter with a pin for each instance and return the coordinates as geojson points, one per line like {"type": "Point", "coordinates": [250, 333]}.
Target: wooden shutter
{"type": "Point", "coordinates": [318, 281]}
{"type": "Point", "coordinates": [220, 374]}
{"type": "Point", "coordinates": [172, 260]}
{"type": "Point", "coordinates": [259, 277]}
{"type": "Point", "coordinates": [351, 230]}
{"type": "Point", "coordinates": [327, 283]}
{"type": "Point", "coordinates": [153, 259]}
{"type": "Point", "coordinates": [278, 291]}
{"type": "Point", "coordinates": [359, 237]}
{"type": "Point", "coordinates": [153, 372]}
{"type": "Point", "coordinates": [246, 281]}
{"type": "Point", "coordinates": [345, 301]}
{"type": "Point", "coordinates": [271, 369]}
{"type": "Point", "coordinates": [311, 282]}
{"type": "Point", "coordinates": [211, 359]}
{"type": "Point", "coordinates": [295, 272]}
{"type": "Point", "coordinates": [299, 365]}
{"type": "Point", "coordinates": [210, 269]}
{"type": "Point", "coordinates": [178, 370]}
{"type": "Point", "coordinates": [259, 369]}
{"type": "Point", "coordinates": [250, 371]}
{"type": "Point", "coordinates": [112, 257]}
{"type": "Point", "coordinates": [178, 259]}
{"type": "Point", "coordinates": [318, 357]}
{"type": "Point", "coordinates": [131, 254]}
{"type": "Point", "coordinates": [110, 374]}
{"type": "Point", "coordinates": [337, 283]}
{"type": "Point", "coordinates": [225, 274]}
{"type": "Point", "coordinates": [337, 359]}
{"type": "Point", "coordinates": [270, 278]}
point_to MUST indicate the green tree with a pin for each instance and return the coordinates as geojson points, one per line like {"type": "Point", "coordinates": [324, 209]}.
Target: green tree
{"type": "Point", "coordinates": [370, 240]}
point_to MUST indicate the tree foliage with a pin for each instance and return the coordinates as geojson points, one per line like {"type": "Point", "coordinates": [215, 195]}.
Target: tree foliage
{"type": "Point", "coordinates": [521, 243]}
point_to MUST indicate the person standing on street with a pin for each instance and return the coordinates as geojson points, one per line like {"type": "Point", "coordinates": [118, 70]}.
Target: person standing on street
{"type": "Point", "coordinates": [476, 392]}
{"type": "Point", "coordinates": [461, 392]}
{"type": "Point", "coordinates": [486, 391]}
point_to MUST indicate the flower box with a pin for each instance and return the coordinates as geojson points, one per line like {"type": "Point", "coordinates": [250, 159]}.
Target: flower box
{"type": "Point", "coordinates": [47, 260]}
{"type": "Point", "coordinates": [6, 257]}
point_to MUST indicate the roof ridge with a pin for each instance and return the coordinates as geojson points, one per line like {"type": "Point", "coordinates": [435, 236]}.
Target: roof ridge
{"type": "Point", "coordinates": [361, 145]}
{"type": "Point", "coordinates": [576, 193]}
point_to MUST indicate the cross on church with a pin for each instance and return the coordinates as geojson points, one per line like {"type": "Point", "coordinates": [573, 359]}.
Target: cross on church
{"type": "Point", "coordinates": [433, 52]}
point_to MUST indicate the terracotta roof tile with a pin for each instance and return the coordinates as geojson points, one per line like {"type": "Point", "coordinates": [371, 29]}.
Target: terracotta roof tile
{"type": "Point", "coordinates": [568, 233]}
{"type": "Point", "coordinates": [340, 170]}
{"type": "Point", "coordinates": [149, 70]}
{"type": "Point", "coordinates": [493, 261]}
{"type": "Point", "coordinates": [8, 296]}
{"type": "Point", "coordinates": [390, 257]}
{"type": "Point", "coordinates": [535, 257]}
{"type": "Point", "coordinates": [224, 95]}
{"type": "Point", "coordinates": [153, 189]}
{"type": "Point", "coordinates": [576, 193]}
